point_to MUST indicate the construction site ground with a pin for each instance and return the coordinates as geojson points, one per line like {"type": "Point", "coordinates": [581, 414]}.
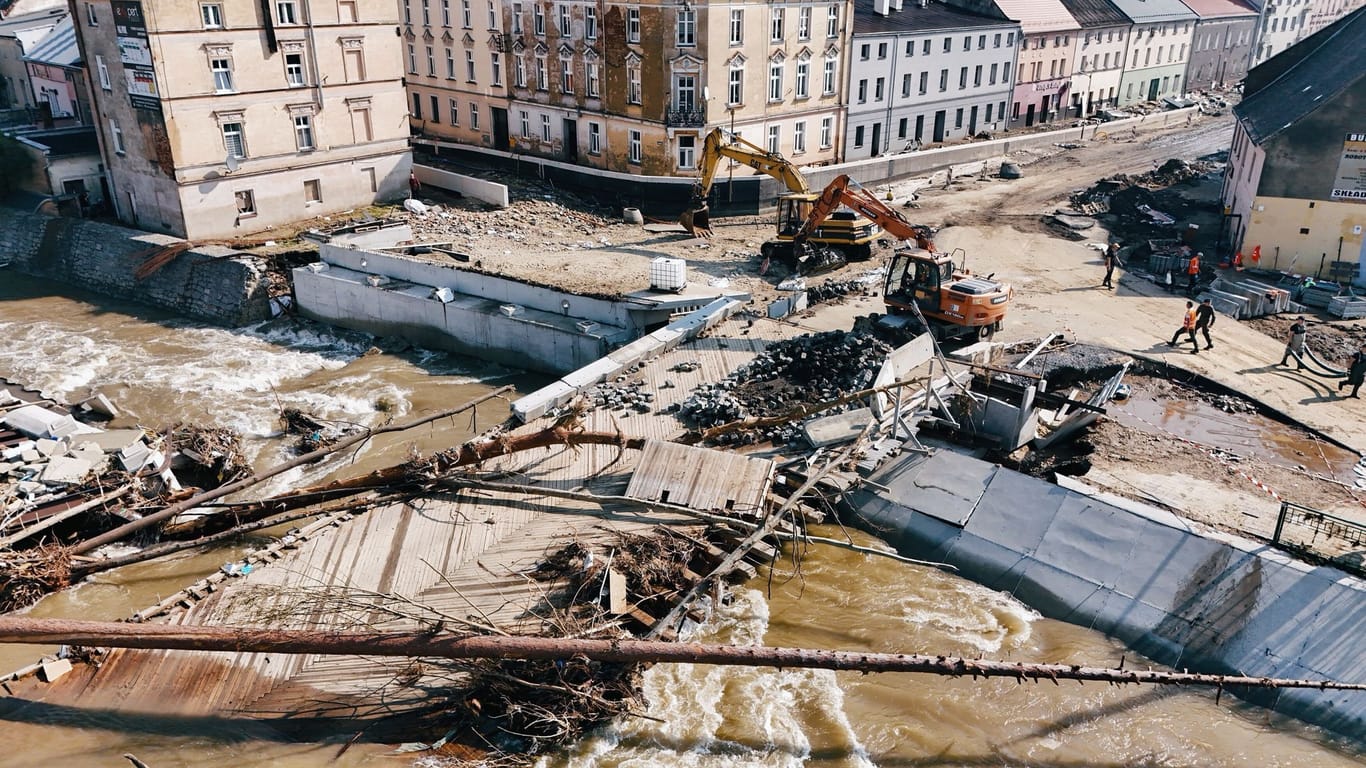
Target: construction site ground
{"type": "Point", "coordinates": [1002, 226]}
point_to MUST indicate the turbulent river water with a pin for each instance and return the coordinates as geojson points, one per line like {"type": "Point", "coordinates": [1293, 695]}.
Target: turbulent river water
{"type": "Point", "coordinates": [163, 370]}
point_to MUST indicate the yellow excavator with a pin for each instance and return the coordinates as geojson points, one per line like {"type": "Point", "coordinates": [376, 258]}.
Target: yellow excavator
{"type": "Point", "coordinates": [852, 234]}
{"type": "Point", "coordinates": [953, 301]}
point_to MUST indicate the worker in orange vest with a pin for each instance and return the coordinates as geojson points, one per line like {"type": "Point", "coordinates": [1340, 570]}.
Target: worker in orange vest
{"type": "Point", "coordinates": [1193, 274]}
{"type": "Point", "coordinates": [1188, 328]}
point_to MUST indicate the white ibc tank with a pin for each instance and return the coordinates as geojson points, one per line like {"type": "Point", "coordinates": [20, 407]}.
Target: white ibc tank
{"type": "Point", "coordinates": [668, 274]}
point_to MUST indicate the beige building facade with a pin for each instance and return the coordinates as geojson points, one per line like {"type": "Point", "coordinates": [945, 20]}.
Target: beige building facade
{"type": "Point", "coordinates": [632, 88]}
{"type": "Point", "coordinates": [218, 119]}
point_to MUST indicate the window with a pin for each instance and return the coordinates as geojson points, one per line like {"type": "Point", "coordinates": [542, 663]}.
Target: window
{"type": "Point", "coordinates": [90, 18]}
{"type": "Point", "coordinates": [943, 80]}
{"type": "Point", "coordinates": [545, 127]}
{"type": "Point", "coordinates": [516, 19]}
{"type": "Point", "coordinates": [209, 13]}
{"type": "Point", "coordinates": [775, 82]}
{"type": "Point", "coordinates": [436, 109]}
{"type": "Point", "coordinates": [542, 79]}
{"type": "Point", "coordinates": [565, 28]}
{"type": "Point", "coordinates": [594, 139]}
{"type": "Point", "coordinates": [116, 134]}
{"type": "Point", "coordinates": [948, 44]}
{"type": "Point", "coordinates": [858, 136]}
{"type": "Point", "coordinates": [925, 48]}
{"type": "Point", "coordinates": [221, 68]}
{"type": "Point", "coordinates": [633, 147]}
{"type": "Point", "coordinates": [1005, 72]}
{"type": "Point", "coordinates": [633, 25]}
{"type": "Point", "coordinates": [232, 140]}
{"type": "Point", "coordinates": [901, 128]}
{"type": "Point", "coordinates": [469, 66]}
{"type": "Point", "coordinates": [474, 117]}
{"type": "Point", "coordinates": [775, 135]}
{"type": "Point", "coordinates": [804, 23]}
{"type": "Point", "coordinates": [286, 12]}
{"type": "Point", "coordinates": [882, 50]}
{"type": "Point", "coordinates": [827, 132]}
{"type": "Point", "coordinates": [445, 13]}
{"type": "Point", "coordinates": [519, 71]}
{"type": "Point", "coordinates": [799, 136]}
{"type": "Point", "coordinates": [431, 61]}
{"type": "Point", "coordinates": [591, 75]}
{"type": "Point", "coordinates": [924, 82]}
{"type": "Point", "coordinates": [407, 12]}
{"type": "Point", "coordinates": [963, 78]}
{"type": "Point", "coordinates": [526, 124]}
{"type": "Point", "coordinates": [687, 26]}
{"type": "Point", "coordinates": [104, 72]}
{"type": "Point", "coordinates": [493, 15]}
{"type": "Point", "coordinates": [737, 26]}
{"type": "Point", "coordinates": [735, 87]}
{"type": "Point", "coordinates": [632, 83]}
{"type": "Point", "coordinates": [313, 191]}
{"type": "Point", "coordinates": [417, 106]}
{"type": "Point", "coordinates": [566, 76]}
{"type": "Point", "coordinates": [775, 24]}
{"type": "Point", "coordinates": [465, 14]}
{"type": "Point", "coordinates": [967, 43]}
{"type": "Point", "coordinates": [865, 52]}
{"type": "Point", "coordinates": [906, 84]}
{"type": "Point", "coordinates": [246, 203]}
{"type": "Point", "coordinates": [878, 88]}
{"type": "Point", "coordinates": [687, 152]}
{"type": "Point", "coordinates": [294, 68]}
{"type": "Point", "coordinates": [862, 91]}
{"type": "Point", "coordinates": [832, 21]}
{"type": "Point", "coordinates": [828, 76]}
{"type": "Point", "coordinates": [977, 76]}
{"type": "Point", "coordinates": [958, 118]}
{"type": "Point", "coordinates": [455, 112]}
{"type": "Point", "coordinates": [412, 59]}
{"type": "Point", "coordinates": [450, 64]}
{"type": "Point", "coordinates": [992, 78]}
{"type": "Point", "coordinates": [303, 129]}
{"type": "Point", "coordinates": [989, 106]}
{"type": "Point", "coordinates": [910, 47]}
{"type": "Point", "coordinates": [590, 22]}
{"type": "Point", "coordinates": [538, 19]}
{"type": "Point", "coordinates": [1010, 39]}
{"type": "Point", "coordinates": [803, 79]}
{"type": "Point", "coordinates": [426, 13]}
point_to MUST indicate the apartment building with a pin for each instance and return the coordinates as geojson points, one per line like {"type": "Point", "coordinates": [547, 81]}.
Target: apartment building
{"type": "Point", "coordinates": [1099, 69]}
{"type": "Point", "coordinates": [1043, 63]}
{"type": "Point", "coordinates": [227, 117]}
{"type": "Point", "coordinates": [925, 73]}
{"type": "Point", "coordinates": [1159, 48]}
{"type": "Point", "coordinates": [20, 33]}
{"type": "Point", "coordinates": [1325, 12]}
{"type": "Point", "coordinates": [629, 87]}
{"type": "Point", "coordinates": [1221, 47]}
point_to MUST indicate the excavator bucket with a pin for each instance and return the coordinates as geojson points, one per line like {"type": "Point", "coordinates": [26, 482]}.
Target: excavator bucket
{"type": "Point", "coordinates": [697, 221]}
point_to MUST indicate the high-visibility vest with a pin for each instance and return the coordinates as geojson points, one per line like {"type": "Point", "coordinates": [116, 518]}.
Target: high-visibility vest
{"type": "Point", "coordinates": [1190, 319]}
{"type": "Point", "coordinates": [1194, 268]}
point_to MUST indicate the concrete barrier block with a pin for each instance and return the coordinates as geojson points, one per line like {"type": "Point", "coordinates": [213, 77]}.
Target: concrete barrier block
{"type": "Point", "coordinates": [535, 405]}
{"type": "Point", "coordinates": [636, 351]}
{"type": "Point", "coordinates": [595, 372]}
{"type": "Point", "coordinates": [668, 338]}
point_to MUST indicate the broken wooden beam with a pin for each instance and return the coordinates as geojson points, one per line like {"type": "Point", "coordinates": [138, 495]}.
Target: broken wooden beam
{"type": "Point", "coordinates": [21, 629]}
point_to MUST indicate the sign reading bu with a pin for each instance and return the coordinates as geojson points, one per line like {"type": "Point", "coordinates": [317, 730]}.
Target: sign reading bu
{"type": "Point", "coordinates": [1350, 182]}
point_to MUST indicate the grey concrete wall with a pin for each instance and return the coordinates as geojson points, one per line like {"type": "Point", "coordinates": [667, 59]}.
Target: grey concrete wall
{"type": "Point", "coordinates": [496, 289]}
{"type": "Point", "coordinates": [1183, 597]}
{"type": "Point", "coordinates": [487, 191]}
{"type": "Point", "coordinates": [210, 283]}
{"type": "Point", "coordinates": [469, 324]}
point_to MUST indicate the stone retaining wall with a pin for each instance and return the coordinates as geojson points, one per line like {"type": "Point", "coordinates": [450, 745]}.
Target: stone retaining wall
{"type": "Point", "coordinates": [209, 283]}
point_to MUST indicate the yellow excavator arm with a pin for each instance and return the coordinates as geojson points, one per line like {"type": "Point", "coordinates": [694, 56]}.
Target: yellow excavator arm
{"type": "Point", "coordinates": [719, 144]}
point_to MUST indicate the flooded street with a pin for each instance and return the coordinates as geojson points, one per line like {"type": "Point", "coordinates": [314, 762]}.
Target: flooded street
{"type": "Point", "coordinates": [162, 370]}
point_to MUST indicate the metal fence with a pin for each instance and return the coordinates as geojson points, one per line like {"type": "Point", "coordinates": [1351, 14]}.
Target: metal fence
{"type": "Point", "coordinates": [1321, 536]}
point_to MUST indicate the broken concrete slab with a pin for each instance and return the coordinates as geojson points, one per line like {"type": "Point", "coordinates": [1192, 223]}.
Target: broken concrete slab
{"type": "Point", "coordinates": [134, 457]}
{"type": "Point", "coordinates": [65, 470]}
{"type": "Point", "coordinates": [30, 456]}
{"type": "Point", "coordinates": [113, 440]}
{"type": "Point", "coordinates": [665, 228]}
{"type": "Point", "coordinates": [101, 405]}
{"type": "Point", "coordinates": [839, 428]}
{"type": "Point", "coordinates": [52, 671]}
{"type": "Point", "coordinates": [981, 353]}
{"type": "Point", "coordinates": [49, 447]}
{"type": "Point", "coordinates": [32, 420]}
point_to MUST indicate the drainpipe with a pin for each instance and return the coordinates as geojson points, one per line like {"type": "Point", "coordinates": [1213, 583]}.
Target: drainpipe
{"type": "Point", "coordinates": [891, 91]}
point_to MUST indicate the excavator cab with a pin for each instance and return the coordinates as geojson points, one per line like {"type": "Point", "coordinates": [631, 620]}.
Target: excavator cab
{"type": "Point", "coordinates": [917, 275]}
{"type": "Point", "coordinates": [792, 213]}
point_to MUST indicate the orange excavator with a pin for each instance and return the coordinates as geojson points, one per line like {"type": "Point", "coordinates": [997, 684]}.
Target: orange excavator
{"type": "Point", "coordinates": [952, 301]}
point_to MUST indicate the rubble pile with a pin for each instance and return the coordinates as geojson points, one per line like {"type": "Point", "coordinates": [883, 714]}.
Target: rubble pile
{"type": "Point", "coordinates": [629, 396]}
{"type": "Point", "coordinates": [215, 450]}
{"type": "Point", "coordinates": [526, 218]}
{"type": "Point", "coordinates": [1124, 194]}
{"type": "Point", "coordinates": [834, 290]}
{"type": "Point", "coordinates": [801, 371]}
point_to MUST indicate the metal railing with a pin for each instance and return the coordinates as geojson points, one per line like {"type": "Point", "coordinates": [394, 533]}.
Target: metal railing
{"type": "Point", "coordinates": [685, 118]}
{"type": "Point", "coordinates": [1322, 536]}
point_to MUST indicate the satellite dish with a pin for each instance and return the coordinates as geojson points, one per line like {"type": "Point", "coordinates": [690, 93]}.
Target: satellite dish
{"type": "Point", "coordinates": [231, 162]}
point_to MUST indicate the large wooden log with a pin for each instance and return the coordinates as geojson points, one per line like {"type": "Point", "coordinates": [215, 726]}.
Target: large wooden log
{"type": "Point", "coordinates": [18, 629]}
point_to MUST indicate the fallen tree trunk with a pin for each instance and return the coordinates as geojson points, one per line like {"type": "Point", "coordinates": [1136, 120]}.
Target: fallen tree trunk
{"type": "Point", "coordinates": [123, 531]}
{"type": "Point", "coordinates": [425, 644]}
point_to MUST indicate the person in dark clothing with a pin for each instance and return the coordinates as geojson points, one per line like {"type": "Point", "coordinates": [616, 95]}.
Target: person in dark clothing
{"type": "Point", "coordinates": [1356, 372]}
{"type": "Point", "coordinates": [1204, 320]}
{"type": "Point", "coordinates": [1111, 258]}
{"type": "Point", "coordinates": [1295, 346]}
{"type": "Point", "coordinates": [1188, 328]}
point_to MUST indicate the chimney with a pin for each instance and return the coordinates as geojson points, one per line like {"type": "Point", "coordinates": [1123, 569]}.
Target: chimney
{"type": "Point", "coordinates": [896, 5]}
{"type": "Point", "coordinates": [881, 7]}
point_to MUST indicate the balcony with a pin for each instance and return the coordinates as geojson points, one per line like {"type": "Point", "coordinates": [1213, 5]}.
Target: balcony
{"type": "Point", "coordinates": [685, 118]}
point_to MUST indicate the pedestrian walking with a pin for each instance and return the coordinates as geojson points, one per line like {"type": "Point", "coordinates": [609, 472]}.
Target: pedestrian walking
{"type": "Point", "coordinates": [1295, 347]}
{"type": "Point", "coordinates": [1193, 273]}
{"type": "Point", "coordinates": [1188, 328]}
{"type": "Point", "coordinates": [414, 185]}
{"type": "Point", "coordinates": [1111, 257]}
{"type": "Point", "coordinates": [1204, 320]}
{"type": "Point", "coordinates": [1356, 372]}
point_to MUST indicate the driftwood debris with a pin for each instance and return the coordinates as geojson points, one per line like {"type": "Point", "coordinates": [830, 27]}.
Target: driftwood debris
{"type": "Point", "coordinates": [18, 629]}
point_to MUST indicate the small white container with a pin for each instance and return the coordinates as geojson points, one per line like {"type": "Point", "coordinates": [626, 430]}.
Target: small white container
{"type": "Point", "coordinates": [668, 274]}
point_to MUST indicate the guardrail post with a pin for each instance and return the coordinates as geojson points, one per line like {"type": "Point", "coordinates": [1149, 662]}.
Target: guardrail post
{"type": "Point", "coordinates": [1280, 522]}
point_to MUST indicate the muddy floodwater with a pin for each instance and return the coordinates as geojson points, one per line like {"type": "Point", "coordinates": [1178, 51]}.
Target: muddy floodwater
{"type": "Point", "coordinates": [164, 370]}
